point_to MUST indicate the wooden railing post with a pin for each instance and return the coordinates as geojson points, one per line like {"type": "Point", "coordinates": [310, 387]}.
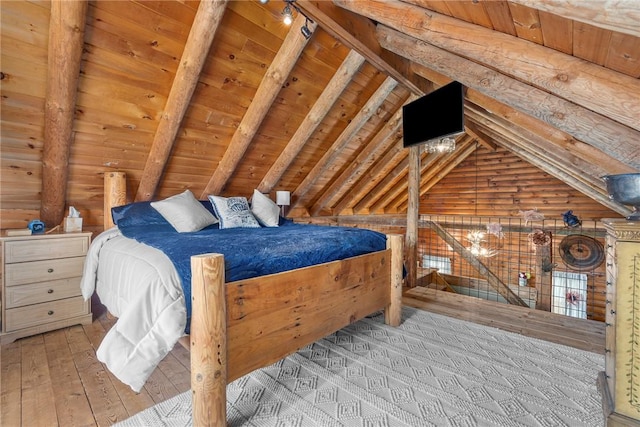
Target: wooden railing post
{"type": "Point", "coordinates": [393, 312]}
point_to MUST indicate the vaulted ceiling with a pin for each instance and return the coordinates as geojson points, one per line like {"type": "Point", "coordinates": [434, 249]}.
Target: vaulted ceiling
{"type": "Point", "coordinates": [221, 98]}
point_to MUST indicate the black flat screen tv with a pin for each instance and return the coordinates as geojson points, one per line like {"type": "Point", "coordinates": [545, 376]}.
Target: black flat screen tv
{"type": "Point", "coordinates": [435, 115]}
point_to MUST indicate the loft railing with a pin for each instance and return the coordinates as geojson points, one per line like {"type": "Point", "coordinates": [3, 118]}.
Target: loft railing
{"type": "Point", "coordinates": [545, 265]}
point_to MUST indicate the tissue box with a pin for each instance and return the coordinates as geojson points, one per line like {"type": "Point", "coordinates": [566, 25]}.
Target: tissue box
{"type": "Point", "coordinates": [72, 224]}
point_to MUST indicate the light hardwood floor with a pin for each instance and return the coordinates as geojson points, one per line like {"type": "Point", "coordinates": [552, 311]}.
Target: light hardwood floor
{"type": "Point", "coordinates": [55, 379]}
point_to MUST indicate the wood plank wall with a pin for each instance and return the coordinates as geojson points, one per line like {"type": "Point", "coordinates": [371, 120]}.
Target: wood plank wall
{"type": "Point", "coordinates": [499, 183]}
{"type": "Point", "coordinates": [131, 53]}
{"type": "Point", "coordinates": [25, 27]}
{"type": "Point", "coordinates": [130, 57]}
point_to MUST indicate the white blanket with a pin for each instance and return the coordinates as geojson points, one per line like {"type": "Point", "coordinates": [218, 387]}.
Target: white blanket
{"type": "Point", "coordinates": [139, 285]}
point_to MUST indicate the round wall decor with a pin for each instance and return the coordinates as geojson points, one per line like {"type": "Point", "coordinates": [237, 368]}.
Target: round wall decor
{"type": "Point", "coordinates": [581, 252]}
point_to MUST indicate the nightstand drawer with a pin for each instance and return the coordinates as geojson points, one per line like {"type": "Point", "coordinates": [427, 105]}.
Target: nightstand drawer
{"type": "Point", "coordinates": [35, 293]}
{"type": "Point", "coordinates": [35, 250]}
{"type": "Point", "coordinates": [43, 271]}
{"type": "Point", "coordinates": [38, 314]}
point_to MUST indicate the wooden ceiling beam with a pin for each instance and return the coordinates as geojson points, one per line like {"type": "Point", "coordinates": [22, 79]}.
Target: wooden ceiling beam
{"type": "Point", "coordinates": [384, 182]}
{"type": "Point", "coordinates": [321, 168]}
{"type": "Point", "coordinates": [66, 39]}
{"type": "Point", "coordinates": [358, 195]}
{"type": "Point", "coordinates": [571, 171]}
{"type": "Point", "coordinates": [312, 120]}
{"type": "Point", "coordinates": [271, 84]}
{"type": "Point", "coordinates": [196, 50]}
{"type": "Point", "coordinates": [387, 189]}
{"type": "Point", "coordinates": [576, 80]}
{"type": "Point", "coordinates": [472, 131]}
{"type": "Point", "coordinates": [583, 173]}
{"type": "Point", "coordinates": [581, 170]}
{"type": "Point", "coordinates": [437, 170]}
{"type": "Point", "coordinates": [585, 125]}
{"type": "Point", "coordinates": [367, 156]}
{"type": "Point", "coordinates": [536, 126]}
{"type": "Point", "coordinates": [384, 193]}
{"type": "Point", "coordinates": [615, 15]}
{"type": "Point", "coordinates": [358, 37]}
{"type": "Point", "coordinates": [387, 139]}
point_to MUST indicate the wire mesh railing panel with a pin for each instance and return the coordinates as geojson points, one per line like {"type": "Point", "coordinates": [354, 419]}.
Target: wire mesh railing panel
{"type": "Point", "coordinates": [547, 264]}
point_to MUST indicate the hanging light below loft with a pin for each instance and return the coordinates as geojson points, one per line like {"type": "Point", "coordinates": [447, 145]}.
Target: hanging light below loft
{"type": "Point", "coordinates": [442, 145]}
{"type": "Point", "coordinates": [477, 238]}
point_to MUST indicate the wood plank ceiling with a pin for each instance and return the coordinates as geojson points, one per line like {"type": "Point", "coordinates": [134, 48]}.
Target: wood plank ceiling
{"type": "Point", "coordinates": [221, 98]}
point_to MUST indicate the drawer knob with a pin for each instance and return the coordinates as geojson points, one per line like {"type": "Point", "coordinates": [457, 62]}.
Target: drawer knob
{"type": "Point", "coordinates": [50, 313]}
{"type": "Point", "coordinates": [50, 291]}
{"type": "Point", "coordinates": [50, 270]}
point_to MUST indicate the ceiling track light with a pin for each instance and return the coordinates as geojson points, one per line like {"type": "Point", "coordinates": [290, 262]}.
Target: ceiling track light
{"type": "Point", "coordinates": [306, 32]}
{"type": "Point", "coordinates": [287, 17]}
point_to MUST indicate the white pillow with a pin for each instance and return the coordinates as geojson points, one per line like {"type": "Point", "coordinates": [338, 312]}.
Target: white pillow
{"type": "Point", "coordinates": [233, 212]}
{"type": "Point", "coordinates": [265, 210]}
{"type": "Point", "coordinates": [184, 212]}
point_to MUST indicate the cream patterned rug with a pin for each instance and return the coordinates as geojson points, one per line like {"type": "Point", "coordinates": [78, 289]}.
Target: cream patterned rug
{"type": "Point", "coordinates": [431, 371]}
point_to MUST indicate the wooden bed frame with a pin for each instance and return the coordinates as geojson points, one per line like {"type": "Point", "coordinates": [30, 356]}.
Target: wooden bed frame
{"type": "Point", "coordinates": [241, 326]}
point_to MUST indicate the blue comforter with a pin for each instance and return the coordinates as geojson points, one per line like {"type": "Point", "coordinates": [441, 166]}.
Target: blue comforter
{"type": "Point", "coordinates": [252, 252]}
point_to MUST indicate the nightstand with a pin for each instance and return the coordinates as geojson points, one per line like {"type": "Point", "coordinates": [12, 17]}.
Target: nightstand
{"type": "Point", "coordinates": [40, 289]}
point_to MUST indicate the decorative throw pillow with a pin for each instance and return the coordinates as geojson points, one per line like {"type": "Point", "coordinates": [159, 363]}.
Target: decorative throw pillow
{"type": "Point", "coordinates": [184, 212]}
{"type": "Point", "coordinates": [233, 212]}
{"type": "Point", "coordinates": [264, 209]}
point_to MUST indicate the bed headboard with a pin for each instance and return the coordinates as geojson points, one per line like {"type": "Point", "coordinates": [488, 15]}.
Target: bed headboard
{"type": "Point", "coordinates": [115, 194]}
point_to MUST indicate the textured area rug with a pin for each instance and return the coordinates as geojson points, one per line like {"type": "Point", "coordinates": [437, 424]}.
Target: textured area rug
{"type": "Point", "coordinates": [431, 371]}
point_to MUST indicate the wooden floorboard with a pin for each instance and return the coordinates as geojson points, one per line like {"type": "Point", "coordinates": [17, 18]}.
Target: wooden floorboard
{"type": "Point", "coordinates": [55, 379]}
{"type": "Point", "coordinates": [586, 335]}
{"type": "Point", "coordinates": [72, 404]}
{"type": "Point", "coordinates": [11, 384]}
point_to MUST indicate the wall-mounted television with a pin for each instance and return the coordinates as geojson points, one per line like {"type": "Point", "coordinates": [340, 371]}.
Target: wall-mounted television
{"type": "Point", "coordinates": [435, 115]}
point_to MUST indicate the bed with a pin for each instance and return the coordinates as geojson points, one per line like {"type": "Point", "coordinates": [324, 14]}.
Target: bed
{"type": "Point", "coordinates": [242, 325]}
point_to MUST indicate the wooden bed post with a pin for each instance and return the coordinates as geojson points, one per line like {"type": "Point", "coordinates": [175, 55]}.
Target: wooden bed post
{"type": "Point", "coordinates": [208, 341]}
{"type": "Point", "coordinates": [115, 194]}
{"type": "Point", "coordinates": [393, 312]}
